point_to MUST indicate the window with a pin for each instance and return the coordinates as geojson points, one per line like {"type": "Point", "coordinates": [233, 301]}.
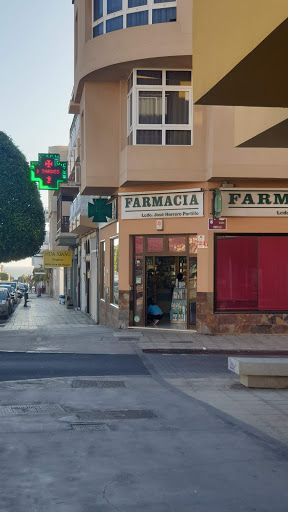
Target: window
{"type": "Point", "coordinates": [164, 15]}
{"type": "Point", "coordinates": [155, 244]}
{"type": "Point", "coordinates": [114, 24]}
{"type": "Point", "coordinates": [138, 244]}
{"type": "Point", "coordinates": [251, 273]}
{"type": "Point", "coordinates": [177, 244]}
{"type": "Point", "coordinates": [135, 19]}
{"type": "Point", "coordinates": [114, 6]}
{"type": "Point", "coordinates": [102, 270]}
{"type": "Point", "coordinates": [98, 30]}
{"type": "Point", "coordinates": [110, 15]}
{"type": "Point", "coordinates": [97, 9]}
{"type": "Point", "coordinates": [159, 107]}
{"type": "Point", "coordinates": [115, 271]}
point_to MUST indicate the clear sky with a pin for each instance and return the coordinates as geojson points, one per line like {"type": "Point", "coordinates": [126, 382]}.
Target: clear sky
{"type": "Point", "coordinates": [36, 74]}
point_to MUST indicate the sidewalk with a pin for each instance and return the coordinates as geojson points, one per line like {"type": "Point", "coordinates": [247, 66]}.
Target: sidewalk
{"type": "Point", "coordinates": [45, 312]}
{"type": "Point", "coordinates": [155, 340]}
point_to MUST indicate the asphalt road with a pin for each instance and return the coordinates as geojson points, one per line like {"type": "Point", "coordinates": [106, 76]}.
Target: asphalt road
{"type": "Point", "coordinates": [21, 366]}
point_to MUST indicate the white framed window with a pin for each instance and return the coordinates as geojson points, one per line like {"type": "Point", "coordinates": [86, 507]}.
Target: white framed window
{"type": "Point", "coordinates": [160, 107]}
{"type": "Point", "coordinates": [111, 15]}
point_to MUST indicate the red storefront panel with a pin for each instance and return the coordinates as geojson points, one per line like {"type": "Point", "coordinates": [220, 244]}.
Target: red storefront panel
{"type": "Point", "coordinates": [236, 273]}
{"type": "Point", "coordinates": [273, 273]}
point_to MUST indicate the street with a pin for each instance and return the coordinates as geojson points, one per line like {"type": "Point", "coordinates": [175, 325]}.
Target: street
{"type": "Point", "coordinates": [114, 429]}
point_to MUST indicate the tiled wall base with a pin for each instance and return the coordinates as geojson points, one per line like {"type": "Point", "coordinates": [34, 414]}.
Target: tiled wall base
{"type": "Point", "coordinates": [115, 317]}
{"type": "Point", "coordinates": [209, 322]}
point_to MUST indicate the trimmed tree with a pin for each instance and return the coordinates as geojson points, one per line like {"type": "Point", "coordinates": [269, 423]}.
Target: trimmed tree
{"type": "Point", "coordinates": [22, 219]}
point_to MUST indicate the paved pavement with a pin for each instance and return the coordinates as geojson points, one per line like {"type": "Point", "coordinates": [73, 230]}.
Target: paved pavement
{"type": "Point", "coordinates": [42, 311]}
{"type": "Point", "coordinates": [67, 447]}
{"type": "Point", "coordinates": [206, 378]}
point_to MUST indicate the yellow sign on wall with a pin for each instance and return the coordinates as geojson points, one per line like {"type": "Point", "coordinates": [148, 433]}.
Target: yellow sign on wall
{"type": "Point", "coordinates": [57, 259]}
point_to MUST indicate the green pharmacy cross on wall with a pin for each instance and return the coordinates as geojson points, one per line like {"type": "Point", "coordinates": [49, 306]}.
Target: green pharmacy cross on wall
{"type": "Point", "coordinates": [49, 172]}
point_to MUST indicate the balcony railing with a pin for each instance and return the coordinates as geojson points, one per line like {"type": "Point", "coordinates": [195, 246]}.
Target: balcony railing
{"type": "Point", "coordinates": [63, 224]}
{"type": "Point", "coordinates": [74, 132]}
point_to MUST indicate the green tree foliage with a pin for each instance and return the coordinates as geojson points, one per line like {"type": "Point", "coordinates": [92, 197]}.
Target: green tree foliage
{"type": "Point", "coordinates": [4, 276]}
{"type": "Point", "coordinates": [22, 219]}
{"type": "Point", "coordinates": [23, 279]}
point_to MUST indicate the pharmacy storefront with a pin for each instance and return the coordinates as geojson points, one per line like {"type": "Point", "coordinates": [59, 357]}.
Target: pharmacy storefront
{"type": "Point", "coordinates": [251, 263]}
{"type": "Point", "coordinates": [164, 260]}
{"type": "Point", "coordinates": [216, 275]}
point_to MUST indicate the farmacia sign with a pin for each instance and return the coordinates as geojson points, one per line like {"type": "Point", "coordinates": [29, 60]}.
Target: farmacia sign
{"type": "Point", "coordinates": [167, 204]}
{"type": "Point", "coordinates": [240, 202]}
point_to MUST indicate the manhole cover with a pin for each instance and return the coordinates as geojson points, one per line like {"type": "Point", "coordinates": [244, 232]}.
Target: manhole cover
{"type": "Point", "coordinates": [7, 410]}
{"type": "Point", "coordinates": [116, 415]}
{"type": "Point", "coordinates": [98, 384]}
{"type": "Point", "coordinates": [127, 338]}
{"type": "Point", "coordinates": [89, 427]}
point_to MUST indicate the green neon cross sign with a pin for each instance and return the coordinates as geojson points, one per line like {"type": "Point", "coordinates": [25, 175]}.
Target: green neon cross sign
{"type": "Point", "coordinates": [48, 171]}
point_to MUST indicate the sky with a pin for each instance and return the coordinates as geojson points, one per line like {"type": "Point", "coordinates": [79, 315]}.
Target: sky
{"type": "Point", "coordinates": [36, 74]}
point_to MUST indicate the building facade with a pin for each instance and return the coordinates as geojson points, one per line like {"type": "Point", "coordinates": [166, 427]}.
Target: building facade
{"type": "Point", "coordinates": [160, 166]}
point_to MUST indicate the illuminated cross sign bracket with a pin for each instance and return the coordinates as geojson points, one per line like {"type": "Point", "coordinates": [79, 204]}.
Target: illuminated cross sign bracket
{"type": "Point", "coordinates": [49, 172]}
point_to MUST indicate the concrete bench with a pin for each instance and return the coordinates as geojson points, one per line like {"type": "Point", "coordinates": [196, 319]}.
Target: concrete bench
{"type": "Point", "coordinates": [256, 372]}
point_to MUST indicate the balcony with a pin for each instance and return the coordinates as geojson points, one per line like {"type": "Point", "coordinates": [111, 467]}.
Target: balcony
{"type": "Point", "coordinates": [63, 237]}
{"type": "Point", "coordinates": [79, 221]}
{"type": "Point", "coordinates": [63, 225]}
{"type": "Point", "coordinates": [74, 133]}
{"type": "Point", "coordinates": [74, 108]}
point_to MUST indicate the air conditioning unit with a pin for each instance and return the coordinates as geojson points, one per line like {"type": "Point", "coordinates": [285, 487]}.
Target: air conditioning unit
{"type": "Point", "coordinates": [77, 174]}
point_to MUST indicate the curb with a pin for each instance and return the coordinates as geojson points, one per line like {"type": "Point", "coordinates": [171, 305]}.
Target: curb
{"type": "Point", "coordinates": [215, 351]}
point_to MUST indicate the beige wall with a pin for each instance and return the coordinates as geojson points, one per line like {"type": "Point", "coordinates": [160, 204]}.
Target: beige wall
{"type": "Point", "coordinates": [100, 106]}
{"type": "Point", "coordinates": [231, 162]}
{"type": "Point", "coordinates": [109, 163]}
{"type": "Point", "coordinates": [225, 31]}
{"type": "Point", "coordinates": [251, 121]}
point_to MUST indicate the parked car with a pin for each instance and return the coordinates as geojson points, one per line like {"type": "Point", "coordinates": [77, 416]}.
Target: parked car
{"type": "Point", "coordinates": [22, 287]}
{"type": "Point", "coordinates": [6, 303]}
{"type": "Point", "coordinates": [11, 286]}
{"type": "Point", "coordinates": [10, 290]}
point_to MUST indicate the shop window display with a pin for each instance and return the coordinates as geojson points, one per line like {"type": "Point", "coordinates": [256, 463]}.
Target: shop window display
{"type": "Point", "coordinates": [155, 280]}
{"type": "Point", "coordinates": [115, 271]}
{"type": "Point", "coordinates": [102, 270]}
{"type": "Point", "coordinates": [178, 311]}
{"type": "Point", "coordinates": [177, 244]}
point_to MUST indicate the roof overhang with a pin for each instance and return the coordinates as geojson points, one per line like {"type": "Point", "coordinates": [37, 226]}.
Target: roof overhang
{"type": "Point", "coordinates": [240, 52]}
